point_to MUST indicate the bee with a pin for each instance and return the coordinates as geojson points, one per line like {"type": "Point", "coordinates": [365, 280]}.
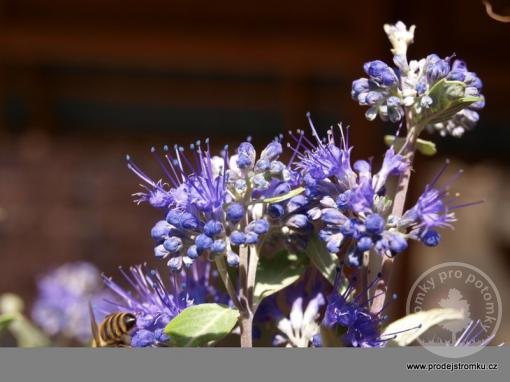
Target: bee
{"type": "Point", "coordinates": [113, 331]}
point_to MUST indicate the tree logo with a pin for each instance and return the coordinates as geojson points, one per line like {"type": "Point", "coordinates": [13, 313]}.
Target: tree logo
{"type": "Point", "coordinates": [462, 287]}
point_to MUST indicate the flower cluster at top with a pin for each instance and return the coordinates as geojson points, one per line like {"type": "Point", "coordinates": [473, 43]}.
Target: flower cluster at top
{"type": "Point", "coordinates": [155, 302]}
{"type": "Point", "coordinates": [61, 306]}
{"type": "Point", "coordinates": [214, 205]}
{"type": "Point", "coordinates": [440, 93]}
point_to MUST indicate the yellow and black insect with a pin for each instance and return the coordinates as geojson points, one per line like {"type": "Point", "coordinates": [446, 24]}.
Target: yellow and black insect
{"type": "Point", "coordinates": [113, 331]}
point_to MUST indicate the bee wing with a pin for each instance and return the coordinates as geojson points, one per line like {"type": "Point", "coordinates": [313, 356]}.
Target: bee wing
{"type": "Point", "coordinates": [93, 326]}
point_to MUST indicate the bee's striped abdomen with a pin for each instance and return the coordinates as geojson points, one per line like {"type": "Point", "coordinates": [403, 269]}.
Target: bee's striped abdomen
{"type": "Point", "coordinates": [115, 326]}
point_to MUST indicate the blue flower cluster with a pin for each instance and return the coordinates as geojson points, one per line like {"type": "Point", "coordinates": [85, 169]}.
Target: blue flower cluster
{"type": "Point", "coordinates": [427, 88]}
{"type": "Point", "coordinates": [466, 118]}
{"type": "Point", "coordinates": [379, 91]}
{"type": "Point", "coordinates": [155, 302]}
{"type": "Point", "coordinates": [213, 203]}
{"type": "Point", "coordinates": [241, 204]}
{"type": "Point", "coordinates": [349, 206]}
{"type": "Point", "coordinates": [351, 311]}
{"type": "Point", "coordinates": [434, 209]}
{"type": "Point", "coordinates": [61, 306]}
{"type": "Point", "coordinates": [221, 204]}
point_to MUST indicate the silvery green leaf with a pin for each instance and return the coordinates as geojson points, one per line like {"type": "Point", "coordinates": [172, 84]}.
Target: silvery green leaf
{"type": "Point", "coordinates": [5, 320]}
{"type": "Point", "coordinates": [26, 333]}
{"type": "Point", "coordinates": [323, 260]}
{"type": "Point", "coordinates": [426, 147]}
{"type": "Point", "coordinates": [426, 318]}
{"type": "Point", "coordinates": [452, 109]}
{"type": "Point", "coordinates": [201, 324]}
{"type": "Point", "coordinates": [448, 98]}
{"type": "Point", "coordinates": [281, 198]}
{"type": "Point", "coordinates": [423, 146]}
{"type": "Point", "coordinates": [274, 274]}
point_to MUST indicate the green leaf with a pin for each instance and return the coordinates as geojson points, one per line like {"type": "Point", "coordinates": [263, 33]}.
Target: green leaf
{"type": "Point", "coordinates": [324, 261]}
{"type": "Point", "coordinates": [281, 198]}
{"type": "Point", "coordinates": [447, 100]}
{"type": "Point", "coordinates": [425, 147]}
{"type": "Point", "coordinates": [426, 318]}
{"type": "Point", "coordinates": [5, 320]}
{"type": "Point", "coordinates": [26, 333]}
{"type": "Point", "coordinates": [274, 274]}
{"type": "Point", "coordinates": [201, 324]}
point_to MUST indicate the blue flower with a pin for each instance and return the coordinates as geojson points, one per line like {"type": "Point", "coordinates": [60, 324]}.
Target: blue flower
{"type": "Point", "coordinates": [155, 302]}
{"type": "Point", "coordinates": [321, 160]}
{"type": "Point", "coordinates": [63, 294]}
{"type": "Point", "coordinates": [375, 223]}
{"type": "Point", "coordinates": [272, 151]}
{"type": "Point", "coordinates": [152, 302]}
{"type": "Point", "coordinates": [434, 209]}
{"type": "Point", "coordinates": [161, 230]}
{"type": "Point", "coordinates": [412, 86]}
{"type": "Point", "coordinates": [381, 73]}
{"type": "Point", "coordinates": [238, 238]}
{"type": "Point", "coordinates": [209, 200]}
{"type": "Point", "coordinates": [173, 244]}
{"type": "Point", "coordinates": [431, 238]}
{"type": "Point", "coordinates": [213, 228]}
{"type": "Point", "coordinates": [436, 68]}
{"type": "Point", "coordinates": [350, 201]}
{"type": "Point", "coordinates": [351, 311]}
{"type": "Point", "coordinates": [235, 212]}
{"type": "Point", "coordinates": [218, 246]}
{"type": "Point", "coordinates": [259, 226]}
{"type": "Point", "coordinates": [378, 92]}
{"type": "Point", "coordinates": [245, 156]}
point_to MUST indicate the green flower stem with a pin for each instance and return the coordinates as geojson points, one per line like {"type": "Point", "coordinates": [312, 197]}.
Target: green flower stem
{"type": "Point", "coordinates": [409, 149]}
{"type": "Point", "coordinates": [245, 319]}
{"type": "Point", "coordinates": [225, 277]}
{"type": "Point", "coordinates": [244, 303]}
{"type": "Point", "coordinates": [246, 326]}
{"type": "Point", "coordinates": [252, 272]}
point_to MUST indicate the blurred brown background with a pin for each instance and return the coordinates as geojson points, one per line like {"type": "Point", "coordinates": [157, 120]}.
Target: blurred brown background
{"type": "Point", "coordinates": [84, 82]}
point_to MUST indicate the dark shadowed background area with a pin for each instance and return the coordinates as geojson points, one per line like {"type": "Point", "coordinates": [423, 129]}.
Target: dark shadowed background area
{"type": "Point", "coordinates": [84, 82]}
